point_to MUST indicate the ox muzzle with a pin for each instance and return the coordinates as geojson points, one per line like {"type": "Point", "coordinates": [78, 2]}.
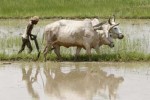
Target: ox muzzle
{"type": "Point", "coordinates": [111, 44]}
{"type": "Point", "coordinates": [120, 36]}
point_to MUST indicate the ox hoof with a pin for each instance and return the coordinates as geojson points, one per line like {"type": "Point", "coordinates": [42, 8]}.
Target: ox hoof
{"type": "Point", "coordinates": [59, 59]}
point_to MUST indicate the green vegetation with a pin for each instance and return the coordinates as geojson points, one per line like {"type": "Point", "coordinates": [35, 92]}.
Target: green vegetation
{"type": "Point", "coordinates": [75, 8]}
{"type": "Point", "coordinates": [124, 50]}
{"type": "Point", "coordinates": [130, 56]}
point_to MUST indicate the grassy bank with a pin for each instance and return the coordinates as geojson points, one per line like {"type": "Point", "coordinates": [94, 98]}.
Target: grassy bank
{"type": "Point", "coordinates": [123, 57]}
{"type": "Point", "coordinates": [75, 8]}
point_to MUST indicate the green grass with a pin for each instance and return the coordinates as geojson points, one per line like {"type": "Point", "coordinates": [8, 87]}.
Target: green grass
{"type": "Point", "coordinates": [75, 8]}
{"type": "Point", "coordinates": [124, 50]}
{"type": "Point", "coordinates": [119, 57]}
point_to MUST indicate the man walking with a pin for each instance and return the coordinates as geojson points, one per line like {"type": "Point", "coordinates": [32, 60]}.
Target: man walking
{"type": "Point", "coordinates": [26, 36]}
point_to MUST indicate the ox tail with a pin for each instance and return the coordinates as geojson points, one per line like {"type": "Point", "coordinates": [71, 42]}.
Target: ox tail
{"type": "Point", "coordinates": [43, 37]}
{"type": "Point", "coordinates": [46, 36]}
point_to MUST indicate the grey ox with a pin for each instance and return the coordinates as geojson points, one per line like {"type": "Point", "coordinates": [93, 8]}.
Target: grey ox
{"type": "Point", "coordinates": [80, 34]}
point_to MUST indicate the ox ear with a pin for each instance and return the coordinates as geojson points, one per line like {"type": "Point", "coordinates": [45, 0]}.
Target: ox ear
{"type": "Point", "coordinates": [100, 33]}
{"type": "Point", "coordinates": [96, 28]}
{"type": "Point", "coordinates": [103, 33]}
{"type": "Point", "coordinates": [111, 20]}
{"type": "Point", "coordinates": [113, 26]}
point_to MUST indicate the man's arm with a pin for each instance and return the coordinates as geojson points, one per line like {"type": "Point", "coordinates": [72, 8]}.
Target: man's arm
{"type": "Point", "coordinates": [29, 29]}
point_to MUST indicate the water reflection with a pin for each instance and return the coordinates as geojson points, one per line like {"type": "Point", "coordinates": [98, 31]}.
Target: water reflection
{"type": "Point", "coordinates": [74, 81]}
{"type": "Point", "coordinates": [29, 80]}
{"type": "Point", "coordinates": [71, 82]}
{"type": "Point", "coordinates": [113, 83]}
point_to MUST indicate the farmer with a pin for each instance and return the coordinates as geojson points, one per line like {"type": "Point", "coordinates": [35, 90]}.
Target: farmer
{"type": "Point", "coordinates": [26, 36]}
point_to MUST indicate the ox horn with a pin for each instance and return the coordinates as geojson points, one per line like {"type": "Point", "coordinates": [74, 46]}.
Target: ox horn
{"type": "Point", "coordinates": [113, 26]}
{"type": "Point", "coordinates": [111, 20]}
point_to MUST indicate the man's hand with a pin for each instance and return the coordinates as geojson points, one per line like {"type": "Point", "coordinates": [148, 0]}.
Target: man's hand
{"type": "Point", "coordinates": [33, 37]}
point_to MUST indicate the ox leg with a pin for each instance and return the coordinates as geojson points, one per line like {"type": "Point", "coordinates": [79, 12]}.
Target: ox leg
{"type": "Point", "coordinates": [97, 50]}
{"type": "Point", "coordinates": [57, 51]}
{"type": "Point", "coordinates": [88, 51]}
{"type": "Point", "coordinates": [46, 50]}
{"type": "Point", "coordinates": [78, 49]}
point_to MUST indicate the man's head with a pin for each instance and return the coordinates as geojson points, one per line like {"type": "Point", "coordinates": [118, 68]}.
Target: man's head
{"type": "Point", "coordinates": [34, 19]}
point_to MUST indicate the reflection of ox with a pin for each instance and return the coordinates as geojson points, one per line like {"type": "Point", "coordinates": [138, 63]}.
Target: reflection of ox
{"type": "Point", "coordinates": [80, 34]}
{"type": "Point", "coordinates": [79, 84]}
{"type": "Point", "coordinates": [113, 83]}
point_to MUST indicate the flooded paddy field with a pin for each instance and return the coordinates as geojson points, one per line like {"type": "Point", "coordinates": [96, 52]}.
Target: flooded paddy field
{"type": "Point", "coordinates": [136, 33]}
{"type": "Point", "coordinates": [74, 81]}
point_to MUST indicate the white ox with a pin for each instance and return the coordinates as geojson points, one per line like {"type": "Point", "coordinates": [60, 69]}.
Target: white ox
{"type": "Point", "coordinates": [109, 27]}
{"type": "Point", "coordinates": [80, 34]}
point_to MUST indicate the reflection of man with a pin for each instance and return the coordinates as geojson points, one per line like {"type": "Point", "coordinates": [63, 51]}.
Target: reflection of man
{"type": "Point", "coordinates": [25, 37]}
{"type": "Point", "coordinates": [26, 77]}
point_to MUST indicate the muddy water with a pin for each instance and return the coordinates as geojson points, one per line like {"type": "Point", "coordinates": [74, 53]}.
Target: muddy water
{"type": "Point", "coordinates": [74, 81]}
